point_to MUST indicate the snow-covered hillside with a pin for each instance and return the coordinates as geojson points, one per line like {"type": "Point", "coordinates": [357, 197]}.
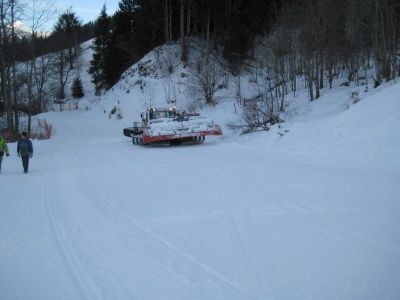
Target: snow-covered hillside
{"type": "Point", "coordinates": [307, 210]}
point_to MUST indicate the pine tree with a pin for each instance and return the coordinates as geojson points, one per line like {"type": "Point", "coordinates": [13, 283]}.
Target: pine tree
{"type": "Point", "coordinates": [122, 45]}
{"type": "Point", "coordinates": [77, 89]}
{"type": "Point", "coordinates": [67, 29]}
{"type": "Point", "coordinates": [100, 48]}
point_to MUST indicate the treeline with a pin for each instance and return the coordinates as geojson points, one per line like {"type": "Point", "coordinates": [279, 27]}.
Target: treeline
{"type": "Point", "coordinates": [315, 42]}
{"type": "Point", "coordinates": [140, 25]}
{"type": "Point", "coordinates": [280, 42]}
{"type": "Point", "coordinates": [313, 37]}
{"type": "Point", "coordinates": [35, 67]}
{"type": "Point", "coordinates": [43, 44]}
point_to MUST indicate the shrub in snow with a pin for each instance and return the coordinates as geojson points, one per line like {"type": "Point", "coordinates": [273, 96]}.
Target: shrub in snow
{"type": "Point", "coordinates": [355, 97]}
{"type": "Point", "coordinates": [41, 130]}
{"type": "Point", "coordinates": [115, 111]}
{"type": "Point", "coordinates": [205, 79]}
{"type": "Point", "coordinates": [259, 113]}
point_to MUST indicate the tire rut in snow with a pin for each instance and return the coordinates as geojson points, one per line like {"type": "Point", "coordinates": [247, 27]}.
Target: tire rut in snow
{"type": "Point", "coordinates": [80, 278]}
{"type": "Point", "coordinates": [182, 259]}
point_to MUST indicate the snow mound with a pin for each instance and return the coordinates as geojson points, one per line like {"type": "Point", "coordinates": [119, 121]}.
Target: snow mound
{"type": "Point", "coordinates": [367, 129]}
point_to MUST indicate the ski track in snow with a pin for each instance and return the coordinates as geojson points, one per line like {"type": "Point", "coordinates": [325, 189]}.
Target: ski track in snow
{"type": "Point", "coordinates": [243, 247]}
{"type": "Point", "coordinates": [79, 276]}
{"type": "Point", "coordinates": [118, 288]}
{"type": "Point", "coordinates": [82, 246]}
{"type": "Point", "coordinates": [154, 241]}
{"type": "Point", "coordinates": [69, 248]}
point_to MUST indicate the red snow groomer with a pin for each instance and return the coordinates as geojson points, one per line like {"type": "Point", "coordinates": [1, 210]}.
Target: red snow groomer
{"type": "Point", "coordinates": [170, 126]}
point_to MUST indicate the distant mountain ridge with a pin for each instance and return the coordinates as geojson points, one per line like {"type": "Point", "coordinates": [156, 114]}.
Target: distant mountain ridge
{"type": "Point", "coordinates": [23, 31]}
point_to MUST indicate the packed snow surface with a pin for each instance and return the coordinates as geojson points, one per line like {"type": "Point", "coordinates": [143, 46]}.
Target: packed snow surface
{"type": "Point", "coordinates": [308, 210]}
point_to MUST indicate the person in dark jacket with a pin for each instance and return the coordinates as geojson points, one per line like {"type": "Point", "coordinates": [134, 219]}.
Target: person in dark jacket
{"type": "Point", "coordinates": [3, 149]}
{"type": "Point", "coordinates": [25, 150]}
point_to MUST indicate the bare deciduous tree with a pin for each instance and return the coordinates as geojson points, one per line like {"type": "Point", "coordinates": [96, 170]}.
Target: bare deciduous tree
{"type": "Point", "coordinates": [62, 74]}
{"type": "Point", "coordinates": [6, 62]}
{"type": "Point", "coordinates": [167, 60]}
{"type": "Point", "coordinates": [206, 78]}
{"type": "Point", "coordinates": [39, 13]}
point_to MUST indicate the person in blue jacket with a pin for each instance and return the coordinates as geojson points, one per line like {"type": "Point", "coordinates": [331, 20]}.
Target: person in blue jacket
{"type": "Point", "coordinates": [25, 150]}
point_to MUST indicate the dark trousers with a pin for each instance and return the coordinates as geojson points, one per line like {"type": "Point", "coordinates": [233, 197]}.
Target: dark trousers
{"type": "Point", "coordinates": [1, 159]}
{"type": "Point", "coordinates": [25, 162]}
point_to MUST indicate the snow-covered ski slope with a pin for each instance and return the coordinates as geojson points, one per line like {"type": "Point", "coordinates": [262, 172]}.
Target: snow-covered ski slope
{"type": "Point", "coordinates": [306, 211]}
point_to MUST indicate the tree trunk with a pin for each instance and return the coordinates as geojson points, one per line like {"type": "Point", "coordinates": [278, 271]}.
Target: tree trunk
{"type": "Point", "coordinates": [317, 81]}
{"type": "Point", "coordinates": [167, 17]}
{"type": "Point", "coordinates": [188, 17]}
{"type": "Point", "coordinates": [5, 70]}
{"type": "Point", "coordinates": [184, 57]}
{"type": "Point", "coordinates": [208, 20]}
{"type": "Point", "coordinates": [14, 73]}
{"type": "Point", "coordinates": [3, 104]}
{"type": "Point", "coordinates": [30, 95]}
{"type": "Point", "coordinates": [321, 69]}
